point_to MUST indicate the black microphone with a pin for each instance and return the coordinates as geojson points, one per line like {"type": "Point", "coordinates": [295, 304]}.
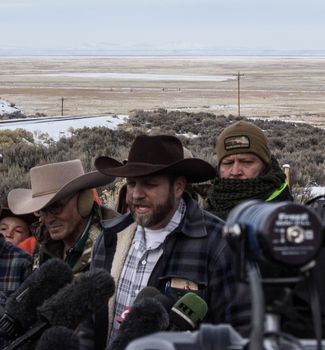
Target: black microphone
{"type": "Point", "coordinates": [165, 301]}
{"type": "Point", "coordinates": [72, 304]}
{"type": "Point", "coordinates": [152, 292]}
{"type": "Point", "coordinates": [146, 292]}
{"type": "Point", "coordinates": [58, 338]}
{"type": "Point", "coordinates": [20, 309]}
{"type": "Point", "coordinates": [147, 316]}
{"type": "Point", "coordinates": [188, 312]}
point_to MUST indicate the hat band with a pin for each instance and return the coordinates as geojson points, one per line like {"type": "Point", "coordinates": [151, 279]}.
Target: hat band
{"type": "Point", "coordinates": [39, 194]}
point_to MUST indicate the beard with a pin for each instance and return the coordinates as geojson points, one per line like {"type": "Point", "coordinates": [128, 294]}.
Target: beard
{"type": "Point", "coordinates": [158, 213]}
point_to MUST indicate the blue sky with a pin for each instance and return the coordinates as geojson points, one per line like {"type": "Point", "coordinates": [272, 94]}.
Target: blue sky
{"type": "Point", "coordinates": [163, 24]}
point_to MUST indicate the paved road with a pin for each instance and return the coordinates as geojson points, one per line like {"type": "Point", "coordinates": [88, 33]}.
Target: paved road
{"type": "Point", "coordinates": [58, 126]}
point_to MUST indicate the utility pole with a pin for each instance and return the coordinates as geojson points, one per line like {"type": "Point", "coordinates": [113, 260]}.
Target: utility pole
{"type": "Point", "coordinates": [238, 91]}
{"type": "Point", "coordinates": [62, 99]}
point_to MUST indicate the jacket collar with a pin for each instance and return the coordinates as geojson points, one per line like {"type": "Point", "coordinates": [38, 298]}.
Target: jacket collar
{"type": "Point", "coordinates": [192, 224]}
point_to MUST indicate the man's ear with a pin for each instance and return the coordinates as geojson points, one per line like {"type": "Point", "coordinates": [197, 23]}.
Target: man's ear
{"type": "Point", "coordinates": [180, 185]}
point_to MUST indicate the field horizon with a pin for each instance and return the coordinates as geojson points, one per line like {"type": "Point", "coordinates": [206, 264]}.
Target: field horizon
{"type": "Point", "coordinates": [283, 88]}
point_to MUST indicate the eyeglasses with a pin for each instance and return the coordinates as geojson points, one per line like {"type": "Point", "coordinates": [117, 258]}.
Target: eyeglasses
{"type": "Point", "coordinates": [55, 208]}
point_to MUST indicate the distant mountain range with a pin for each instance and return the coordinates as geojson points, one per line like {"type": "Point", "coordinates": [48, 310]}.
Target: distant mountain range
{"type": "Point", "coordinates": [94, 51]}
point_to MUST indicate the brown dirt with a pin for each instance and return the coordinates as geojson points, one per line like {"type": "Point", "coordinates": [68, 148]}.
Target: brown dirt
{"type": "Point", "coordinates": [284, 88]}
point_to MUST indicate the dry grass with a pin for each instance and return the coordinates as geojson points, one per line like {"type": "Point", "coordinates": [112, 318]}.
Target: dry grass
{"type": "Point", "coordinates": [287, 89]}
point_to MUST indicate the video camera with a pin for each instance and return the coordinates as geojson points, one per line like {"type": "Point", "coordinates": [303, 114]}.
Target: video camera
{"type": "Point", "coordinates": [277, 245]}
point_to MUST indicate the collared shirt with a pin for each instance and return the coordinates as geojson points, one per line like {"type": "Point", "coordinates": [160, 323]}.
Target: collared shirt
{"type": "Point", "coordinates": [75, 252]}
{"type": "Point", "coordinates": [145, 251]}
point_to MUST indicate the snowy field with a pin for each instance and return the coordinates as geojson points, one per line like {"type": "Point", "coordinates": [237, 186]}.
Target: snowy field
{"type": "Point", "coordinates": [57, 126]}
{"type": "Point", "coordinates": [140, 76]}
{"type": "Point", "coordinates": [290, 88]}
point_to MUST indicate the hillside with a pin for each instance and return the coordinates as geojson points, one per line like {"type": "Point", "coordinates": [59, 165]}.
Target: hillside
{"type": "Point", "coordinates": [300, 145]}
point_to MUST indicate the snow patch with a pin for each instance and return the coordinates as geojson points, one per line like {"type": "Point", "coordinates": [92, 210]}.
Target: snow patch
{"type": "Point", "coordinates": [7, 108]}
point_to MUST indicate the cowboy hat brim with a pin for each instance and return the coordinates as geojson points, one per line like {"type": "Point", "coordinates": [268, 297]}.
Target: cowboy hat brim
{"type": "Point", "coordinates": [194, 169]}
{"type": "Point", "coordinates": [21, 200]}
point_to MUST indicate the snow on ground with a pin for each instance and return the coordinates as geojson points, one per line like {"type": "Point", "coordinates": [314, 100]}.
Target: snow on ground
{"type": "Point", "coordinates": [316, 191]}
{"type": "Point", "coordinates": [57, 127]}
{"type": "Point", "coordinates": [188, 135]}
{"type": "Point", "coordinates": [139, 76]}
{"type": "Point", "coordinates": [7, 108]}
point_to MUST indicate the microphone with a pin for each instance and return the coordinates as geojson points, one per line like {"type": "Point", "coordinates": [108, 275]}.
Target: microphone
{"type": "Point", "coordinates": [58, 338]}
{"type": "Point", "coordinates": [20, 309]}
{"type": "Point", "coordinates": [165, 301]}
{"type": "Point", "coordinates": [188, 312]}
{"type": "Point", "coordinates": [80, 299]}
{"type": "Point", "coordinates": [147, 316]}
{"type": "Point", "coordinates": [71, 305]}
{"type": "Point", "coordinates": [146, 292]}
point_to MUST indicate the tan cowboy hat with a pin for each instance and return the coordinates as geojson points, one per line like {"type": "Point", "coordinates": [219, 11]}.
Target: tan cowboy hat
{"type": "Point", "coordinates": [52, 182]}
{"type": "Point", "coordinates": [154, 154]}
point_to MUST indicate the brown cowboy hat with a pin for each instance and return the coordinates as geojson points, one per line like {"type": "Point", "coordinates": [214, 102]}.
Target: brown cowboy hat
{"type": "Point", "coordinates": [52, 182]}
{"type": "Point", "coordinates": [153, 154]}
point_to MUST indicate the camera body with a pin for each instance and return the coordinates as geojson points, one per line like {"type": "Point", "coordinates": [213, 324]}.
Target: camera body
{"type": "Point", "coordinates": [283, 238]}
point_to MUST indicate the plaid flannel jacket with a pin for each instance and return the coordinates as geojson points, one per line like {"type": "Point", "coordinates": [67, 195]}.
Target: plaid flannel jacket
{"type": "Point", "coordinates": [15, 266]}
{"type": "Point", "coordinates": [195, 251]}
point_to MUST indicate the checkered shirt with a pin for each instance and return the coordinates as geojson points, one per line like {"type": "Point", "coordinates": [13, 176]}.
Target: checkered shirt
{"type": "Point", "coordinates": [139, 264]}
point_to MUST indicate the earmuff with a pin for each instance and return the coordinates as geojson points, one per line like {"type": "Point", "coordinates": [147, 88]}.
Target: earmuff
{"type": "Point", "coordinates": [85, 202]}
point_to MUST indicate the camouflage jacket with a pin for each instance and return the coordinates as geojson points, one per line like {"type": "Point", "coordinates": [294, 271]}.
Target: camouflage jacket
{"type": "Point", "coordinates": [48, 248]}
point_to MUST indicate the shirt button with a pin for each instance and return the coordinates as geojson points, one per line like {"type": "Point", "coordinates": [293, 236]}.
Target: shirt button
{"type": "Point", "coordinates": [143, 262]}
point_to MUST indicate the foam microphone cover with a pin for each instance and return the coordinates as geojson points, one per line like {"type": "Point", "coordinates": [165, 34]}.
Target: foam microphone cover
{"type": "Point", "coordinates": [58, 338]}
{"type": "Point", "coordinates": [146, 292]}
{"type": "Point", "coordinates": [41, 284]}
{"type": "Point", "coordinates": [152, 292]}
{"type": "Point", "coordinates": [78, 300]}
{"type": "Point", "coordinates": [147, 316]}
{"type": "Point", "coordinates": [165, 301]}
{"type": "Point", "coordinates": [188, 312]}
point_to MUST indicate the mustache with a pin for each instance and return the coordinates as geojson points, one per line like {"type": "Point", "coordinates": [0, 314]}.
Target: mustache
{"type": "Point", "coordinates": [139, 203]}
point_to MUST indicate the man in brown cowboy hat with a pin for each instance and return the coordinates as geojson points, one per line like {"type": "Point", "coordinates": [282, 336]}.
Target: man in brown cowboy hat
{"type": "Point", "coordinates": [69, 219]}
{"type": "Point", "coordinates": [166, 240]}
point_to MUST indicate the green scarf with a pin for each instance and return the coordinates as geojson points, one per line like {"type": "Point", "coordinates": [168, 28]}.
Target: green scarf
{"type": "Point", "coordinates": [225, 194]}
